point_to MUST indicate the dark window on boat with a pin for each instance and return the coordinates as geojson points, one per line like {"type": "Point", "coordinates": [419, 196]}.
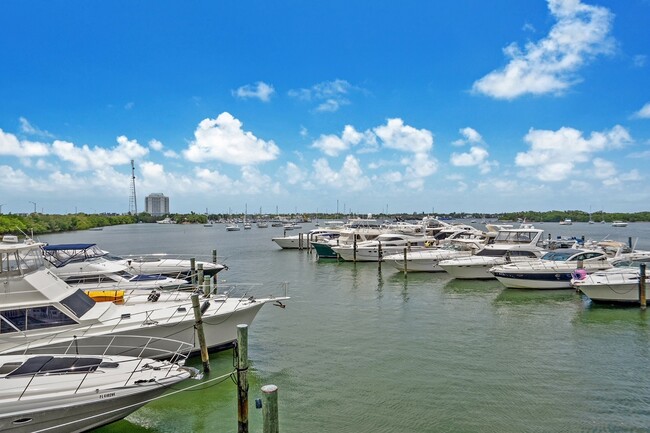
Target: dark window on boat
{"type": "Point", "coordinates": [79, 303]}
{"type": "Point", "coordinates": [26, 319]}
{"type": "Point", "coordinates": [491, 252]}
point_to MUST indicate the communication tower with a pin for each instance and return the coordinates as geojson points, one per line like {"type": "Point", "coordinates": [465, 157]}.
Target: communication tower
{"type": "Point", "coordinates": [133, 201]}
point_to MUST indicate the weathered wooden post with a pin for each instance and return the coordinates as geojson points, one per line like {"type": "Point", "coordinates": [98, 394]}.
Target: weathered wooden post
{"type": "Point", "coordinates": [300, 241]}
{"type": "Point", "coordinates": [207, 280]}
{"type": "Point", "coordinates": [270, 409]}
{"type": "Point", "coordinates": [199, 274]}
{"type": "Point", "coordinates": [214, 256]}
{"type": "Point", "coordinates": [193, 271]}
{"type": "Point", "coordinates": [198, 324]}
{"type": "Point", "coordinates": [629, 242]}
{"type": "Point", "coordinates": [405, 261]}
{"type": "Point", "coordinates": [642, 297]}
{"type": "Point", "coordinates": [354, 249]}
{"type": "Point", "coordinates": [242, 378]}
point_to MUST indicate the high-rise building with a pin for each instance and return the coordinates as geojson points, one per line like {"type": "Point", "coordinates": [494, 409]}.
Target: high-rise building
{"type": "Point", "coordinates": [157, 204]}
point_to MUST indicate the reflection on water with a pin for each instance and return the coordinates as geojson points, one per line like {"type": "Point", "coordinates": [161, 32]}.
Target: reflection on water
{"type": "Point", "coordinates": [603, 314]}
{"type": "Point", "coordinates": [532, 296]}
{"type": "Point", "coordinates": [472, 286]}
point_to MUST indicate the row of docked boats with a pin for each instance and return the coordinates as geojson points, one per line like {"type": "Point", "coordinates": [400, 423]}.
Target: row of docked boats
{"type": "Point", "coordinates": [55, 321]}
{"type": "Point", "coordinates": [605, 271]}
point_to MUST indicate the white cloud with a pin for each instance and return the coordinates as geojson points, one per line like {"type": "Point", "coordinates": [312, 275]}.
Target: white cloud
{"type": "Point", "coordinates": [293, 174]}
{"type": "Point", "coordinates": [554, 154]}
{"type": "Point", "coordinates": [349, 178]}
{"type": "Point", "coordinates": [223, 139]}
{"type": "Point", "coordinates": [476, 156]}
{"type": "Point", "coordinates": [155, 145]}
{"type": "Point", "coordinates": [330, 95]}
{"type": "Point", "coordinates": [396, 135]}
{"type": "Point", "coordinates": [644, 112]}
{"type": "Point", "coordinates": [333, 145]}
{"type": "Point", "coordinates": [84, 158]}
{"type": "Point", "coordinates": [30, 129]}
{"type": "Point", "coordinates": [639, 60]}
{"type": "Point", "coordinates": [259, 90]}
{"type": "Point", "coordinates": [10, 145]}
{"type": "Point", "coordinates": [470, 135]}
{"type": "Point", "coordinates": [550, 65]}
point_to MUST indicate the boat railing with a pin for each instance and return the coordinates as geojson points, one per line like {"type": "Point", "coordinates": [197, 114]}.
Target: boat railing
{"type": "Point", "coordinates": [82, 357]}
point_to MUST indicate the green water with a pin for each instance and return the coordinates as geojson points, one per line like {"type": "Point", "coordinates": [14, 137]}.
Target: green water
{"type": "Point", "coordinates": [359, 349]}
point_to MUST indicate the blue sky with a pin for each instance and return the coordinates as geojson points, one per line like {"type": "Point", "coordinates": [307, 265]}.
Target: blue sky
{"type": "Point", "coordinates": [415, 106]}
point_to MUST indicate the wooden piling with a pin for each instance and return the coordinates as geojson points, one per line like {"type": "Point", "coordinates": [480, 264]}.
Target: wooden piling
{"type": "Point", "coordinates": [300, 241]}
{"type": "Point", "coordinates": [214, 256]}
{"type": "Point", "coordinates": [629, 242]}
{"type": "Point", "coordinates": [354, 249]}
{"type": "Point", "coordinates": [405, 261]}
{"type": "Point", "coordinates": [193, 271]}
{"type": "Point", "coordinates": [206, 285]}
{"type": "Point", "coordinates": [199, 274]}
{"type": "Point", "coordinates": [270, 409]}
{"type": "Point", "coordinates": [198, 324]}
{"type": "Point", "coordinates": [242, 378]}
{"type": "Point", "coordinates": [642, 297]}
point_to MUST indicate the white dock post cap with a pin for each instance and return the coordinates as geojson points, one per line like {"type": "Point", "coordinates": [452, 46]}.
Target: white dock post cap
{"type": "Point", "coordinates": [269, 389]}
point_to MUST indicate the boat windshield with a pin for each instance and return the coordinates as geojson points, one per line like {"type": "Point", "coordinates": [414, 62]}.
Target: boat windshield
{"type": "Point", "coordinates": [515, 237]}
{"type": "Point", "coordinates": [558, 256]}
{"type": "Point", "coordinates": [19, 262]}
{"type": "Point", "coordinates": [61, 255]}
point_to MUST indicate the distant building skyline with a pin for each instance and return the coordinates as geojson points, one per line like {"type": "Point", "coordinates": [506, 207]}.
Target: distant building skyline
{"type": "Point", "coordinates": [157, 204]}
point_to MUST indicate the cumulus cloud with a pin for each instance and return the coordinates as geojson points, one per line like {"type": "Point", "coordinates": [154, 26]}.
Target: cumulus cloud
{"type": "Point", "coordinates": [293, 174]}
{"type": "Point", "coordinates": [554, 154]}
{"type": "Point", "coordinates": [333, 145]}
{"type": "Point", "coordinates": [350, 177]}
{"type": "Point", "coordinates": [644, 112]}
{"type": "Point", "coordinates": [475, 156]}
{"type": "Point", "coordinates": [259, 90]}
{"type": "Point", "coordinates": [84, 158]}
{"type": "Point", "coordinates": [155, 145]}
{"type": "Point", "coordinates": [328, 95]}
{"type": "Point", "coordinates": [396, 135]}
{"type": "Point", "coordinates": [550, 65]}
{"type": "Point", "coordinates": [224, 140]}
{"type": "Point", "coordinates": [470, 135]}
{"type": "Point", "coordinates": [10, 145]}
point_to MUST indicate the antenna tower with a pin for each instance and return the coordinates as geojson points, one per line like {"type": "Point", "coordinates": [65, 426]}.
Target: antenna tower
{"type": "Point", "coordinates": [133, 202]}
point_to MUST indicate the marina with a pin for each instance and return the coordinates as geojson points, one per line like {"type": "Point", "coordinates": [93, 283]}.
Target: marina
{"type": "Point", "coordinates": [362, 348]}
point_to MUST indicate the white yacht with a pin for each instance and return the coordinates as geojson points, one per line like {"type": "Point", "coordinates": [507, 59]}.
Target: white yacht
{"type": "Point", "coordinates": [233, 227]}
{"type": "Point", "coordinates": [85, 266]}
{"type": "Point", "coordinates": [553, 270]}
{"type": "Point", "coordinates": [303, 240]}
{"type": "Point", "coordinates": [38, 309]}
{"type": "Point", "coordinates": [381, 246]}
{"type": "Point", "coordinates": [509, 245]}
{"type": "Point", "coordinates": [619, 285]}
{"type": "Point", "coordinates": [462, 243]}
{"type": "Point", "coordinates": [71, 392]}
{"type": "Point", "coordinates": [619, 224]}
{"type": "Point", "coordinates": [566, 222]}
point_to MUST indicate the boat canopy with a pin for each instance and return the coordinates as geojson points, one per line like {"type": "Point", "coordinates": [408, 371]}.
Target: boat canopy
{"type": "Point", "coordinates": [62, 254]}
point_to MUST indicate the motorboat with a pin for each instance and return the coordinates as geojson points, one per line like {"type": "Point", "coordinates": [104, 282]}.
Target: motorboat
{"type": "Point", "coordinates": [247, 226]}
{"type": "Point", "coordinates": [618, 285]}
{"type": "Point", "coordinates": [509, 245]}
{"type": "Point", "coordinates": [39, 309]}
{"type": "Point", "coordinates": [553, 270]}
{"type": "Point", "coordinates": [73, 391]}
{"type": "Point", "coordinates": [165, 264]}
{"type": "Point", "coordinates": [262, 225]}
{"type": "Point", "coordinates": [303, 240]}
{"type": "Point", "coordinates": [233, 228]}
{"type": "Point", "coordinates": [462, 243]}
{"type": "Point", "coordinates": [166, 220]}
{"type": "Point", "coordinates": [619, 224]}
{"type": "Point", "coordinates": [355, 230]}
{"type": "Point", "coordinates": [566, 222]}
{"type": "Point", "coordinates": [85, 266]}
{"type": "Point", "coordinates": [383, 245]}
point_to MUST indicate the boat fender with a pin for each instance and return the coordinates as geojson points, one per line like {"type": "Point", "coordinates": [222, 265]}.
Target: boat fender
{"type": "Point", "coordinates": [579, 274]}
{"type": "Point", "coordinates": [153, 296]}
{"type": "Point", "coordinates": [205, 306]}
